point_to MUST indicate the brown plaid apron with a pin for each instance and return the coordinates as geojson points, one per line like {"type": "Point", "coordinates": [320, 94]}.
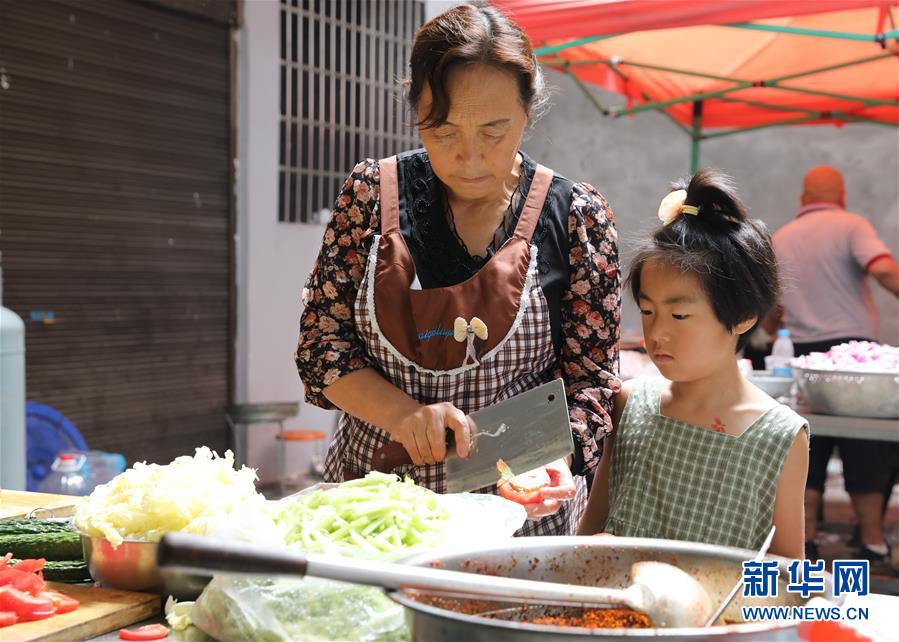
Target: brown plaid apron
{"type": "Point", "coordinates": [409, 333]}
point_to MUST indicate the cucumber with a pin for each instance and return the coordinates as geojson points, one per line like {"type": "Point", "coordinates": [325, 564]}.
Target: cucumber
{"type": "Point", "coordinates": [32, 526]}
{"type": "Point", "coordinates": [63, 545]}
{"type": "Point", "coordinates": [65, 571]}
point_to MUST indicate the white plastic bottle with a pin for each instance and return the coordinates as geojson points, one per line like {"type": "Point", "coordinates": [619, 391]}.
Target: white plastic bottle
{"type": "Point", "coordinates": [12, 398]}
{"type": "Point", "coordinates": [68, 476]}
{"type": "Point", "coordinates": [783, 354]}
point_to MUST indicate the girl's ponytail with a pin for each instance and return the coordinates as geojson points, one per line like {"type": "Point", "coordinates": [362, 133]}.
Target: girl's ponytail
{"type": "Point", "coordinates": [714, 195]}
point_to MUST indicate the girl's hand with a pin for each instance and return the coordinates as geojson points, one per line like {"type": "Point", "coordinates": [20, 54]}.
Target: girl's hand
{"type": "Point", "coordinates": [560, 489]}
{"type": "Point", "coordinates": [423, 432]}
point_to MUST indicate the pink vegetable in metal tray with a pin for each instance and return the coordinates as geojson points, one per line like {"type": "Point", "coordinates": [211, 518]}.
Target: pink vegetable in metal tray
{"type": "Point", "coordinates": [854, 356]}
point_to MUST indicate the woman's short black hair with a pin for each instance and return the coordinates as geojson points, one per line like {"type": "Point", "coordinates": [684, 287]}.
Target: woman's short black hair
{"type": "Point", "coordinates": [470, 34]}
{"type": "Point", "coordinates": [729, 253]}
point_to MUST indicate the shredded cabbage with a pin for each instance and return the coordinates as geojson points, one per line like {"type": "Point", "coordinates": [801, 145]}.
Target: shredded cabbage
{"type": "Point", "coordinates": [149, 500]}
{"type": "Point", "coordinates": [378, 514]}
{"type": "Point", "coordinates": [177, 614]}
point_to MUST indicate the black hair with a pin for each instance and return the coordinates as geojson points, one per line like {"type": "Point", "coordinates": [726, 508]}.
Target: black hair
{"type": "Point", "coordinates": [727, 251]}
{"type": "Point", "coordinates": [469, 34]}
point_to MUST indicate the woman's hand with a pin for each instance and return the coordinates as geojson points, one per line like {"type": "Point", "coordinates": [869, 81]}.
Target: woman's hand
{"type": "Point", "coordinates": [560, 489]}
{"type": "Point", "coordinates": [423, 432]}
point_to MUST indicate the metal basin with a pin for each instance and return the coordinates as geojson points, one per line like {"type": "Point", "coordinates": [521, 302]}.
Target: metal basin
{"type": "Point", "coordinates": [775, 387]}
{"type": "Point", "coordinates": [597, 561]}
{"type": "Point", "coordinates": [132, 567]}
{"type": "Point", "coordinates": [849, 394]}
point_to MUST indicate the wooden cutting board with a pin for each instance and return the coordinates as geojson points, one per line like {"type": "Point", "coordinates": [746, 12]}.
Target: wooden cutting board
{"type": "Point", "coordinates": [16, 504]}
{"type": "Point", "coordinates": [101, 611]}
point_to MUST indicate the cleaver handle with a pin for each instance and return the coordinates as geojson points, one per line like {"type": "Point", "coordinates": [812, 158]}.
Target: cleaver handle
{"type": "Point", "coordinates": [389, 457]}
{"type": "Point", "coordinates": [393, 454]}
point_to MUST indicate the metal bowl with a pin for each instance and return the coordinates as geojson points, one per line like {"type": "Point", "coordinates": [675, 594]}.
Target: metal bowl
{"type": "Point", "coordinates": [593, 561]}
{"type": "Point", "coordinates": [849, 394]}
{"type": "Point", "coordinates": [132, 567]}
{"type": "Point", "coordinates": [775, 387]}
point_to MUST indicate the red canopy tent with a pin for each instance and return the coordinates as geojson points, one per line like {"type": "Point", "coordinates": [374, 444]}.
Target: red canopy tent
{"type": "Point", "coordinates": [720, 67]}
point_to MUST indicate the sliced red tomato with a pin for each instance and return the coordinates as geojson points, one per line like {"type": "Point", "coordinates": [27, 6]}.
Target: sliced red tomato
{"type": "Point", "coordinates": [30, 566]}
{"type": "Point", "coordinates": [148, 632]}
{"type": "Point", "coordinates": [28, 582]}
{"type": "Point", "coordinates": [61, 602]}
{"type": "Point", "coordinates": [523, 489]}
{"type": "Point", "coordinates": [7, 618]}
{"type": "Point", "coordinates": [26, 607]}
{"type": "Point", "coordinates": [513, 494]}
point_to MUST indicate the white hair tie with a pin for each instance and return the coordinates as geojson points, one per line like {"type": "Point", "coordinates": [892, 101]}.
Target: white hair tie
{"type": "Point", "coordinates": [673, 206]}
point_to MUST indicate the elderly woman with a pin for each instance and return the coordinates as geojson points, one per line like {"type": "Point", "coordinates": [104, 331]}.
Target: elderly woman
{"type": "Point", "coordinates": [470, 231]}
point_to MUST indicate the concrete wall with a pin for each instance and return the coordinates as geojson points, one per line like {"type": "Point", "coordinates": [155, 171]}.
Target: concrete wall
{"type": "Point", "coordinates": [631, 161]}
{"type": "Point", "coordinates": [273, 258]}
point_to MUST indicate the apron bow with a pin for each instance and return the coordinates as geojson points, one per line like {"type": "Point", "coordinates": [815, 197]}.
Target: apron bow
{"type": "Point", "coordinates": [467, 331]}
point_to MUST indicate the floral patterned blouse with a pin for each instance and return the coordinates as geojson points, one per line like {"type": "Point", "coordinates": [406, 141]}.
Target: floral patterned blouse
{"type": "Point", "coordinates": [579, 274]}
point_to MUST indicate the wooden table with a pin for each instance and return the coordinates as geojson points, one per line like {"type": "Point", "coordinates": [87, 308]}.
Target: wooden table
{"type": "Point", "coordinates": [16, 504]}
{"type": "Point", "coordinates": [101, 611]}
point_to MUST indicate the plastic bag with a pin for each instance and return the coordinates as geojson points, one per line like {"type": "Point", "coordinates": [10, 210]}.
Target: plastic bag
{"type": "Point", "coordinates": [234, 608]}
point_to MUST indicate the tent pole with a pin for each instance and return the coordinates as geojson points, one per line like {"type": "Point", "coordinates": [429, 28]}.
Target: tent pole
{"type": "Point", "coordinates": [867, 102]}
{"type": "Point", "coordinates": [602, 109]}
{"type": "Point", "coordinates": [646, 97]}
{"type": "Point", "coordinates": [798, 31]}
{"type": "Point", "coordinates": [661, 104]}
{"type": "Point", "coordinates": [842, 65]}
{"type": "Point", "coordinates": [696, 136]}
{"type": "Point", "coordinates": [743, 84]}
{"type": "Point", "coordinates": [542, 51]}
{"type": "Point", "coordinates": [614, 62]}
{"type": "Point", "coordinates": [842, 35]}
{"type": "Point", "coordinates": [798, 121]}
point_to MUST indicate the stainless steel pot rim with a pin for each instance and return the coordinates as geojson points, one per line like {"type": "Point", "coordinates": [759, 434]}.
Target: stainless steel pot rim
{"type": "Point", "coordinates": [611, 544]}
{"type": "Point", "coordinates": [845, 373]}
{"type": "Point", "coordinates": [582, 541]}
{"type": "Point", "coordinates": [105, 539]}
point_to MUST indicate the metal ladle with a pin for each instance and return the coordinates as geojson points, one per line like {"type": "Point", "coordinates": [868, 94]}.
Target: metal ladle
{"type": "Point", "coordinates": [667, 595]}
{"type": "Point", "coordinates": [733, 592]}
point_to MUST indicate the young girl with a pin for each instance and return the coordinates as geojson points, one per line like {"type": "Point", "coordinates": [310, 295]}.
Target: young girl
{"type": "Point", "coordinates": [702, 455]}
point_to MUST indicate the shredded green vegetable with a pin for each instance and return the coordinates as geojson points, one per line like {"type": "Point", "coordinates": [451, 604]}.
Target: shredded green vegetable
{"type": "Point", "coordinates": [375, 514]}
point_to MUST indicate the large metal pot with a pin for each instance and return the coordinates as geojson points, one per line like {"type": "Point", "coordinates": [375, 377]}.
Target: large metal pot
{"type": "Point", "coordinates": [849, 394]}
{"type": "Point", "coordinates": [599, 561]}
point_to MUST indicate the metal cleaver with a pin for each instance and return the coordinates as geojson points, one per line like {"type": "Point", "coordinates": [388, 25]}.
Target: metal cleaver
{"type": "Point", "coordinates": [528, 430]}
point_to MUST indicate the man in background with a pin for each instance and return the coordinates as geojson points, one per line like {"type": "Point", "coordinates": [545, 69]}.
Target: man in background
{"type": "Point", "coordinates": [826, 256]}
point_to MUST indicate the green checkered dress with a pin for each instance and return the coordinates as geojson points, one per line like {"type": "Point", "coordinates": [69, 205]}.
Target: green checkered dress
{"type": "Point", "coordinates": [675, 480]}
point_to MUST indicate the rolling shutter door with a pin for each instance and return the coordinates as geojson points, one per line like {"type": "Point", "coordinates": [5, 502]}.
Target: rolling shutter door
{"type": "Point", "coordinates": [115, 217]}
